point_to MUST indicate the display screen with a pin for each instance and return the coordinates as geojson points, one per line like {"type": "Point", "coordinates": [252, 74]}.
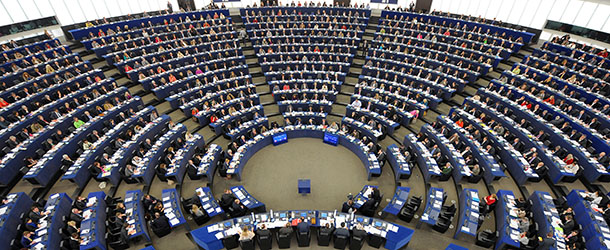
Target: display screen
{"type": "Point", "coordinates": [280, 138]}
{"type": "Point", "coordinates": [331, 139]}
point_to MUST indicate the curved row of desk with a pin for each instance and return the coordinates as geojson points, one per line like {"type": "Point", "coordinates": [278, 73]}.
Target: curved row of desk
{"type": "Point", "coordinates": [211, 236]}
{"type": "Point", "coordinates": [248, 150]}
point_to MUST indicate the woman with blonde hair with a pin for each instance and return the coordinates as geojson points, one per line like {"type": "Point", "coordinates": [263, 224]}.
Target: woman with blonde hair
{"type": "Point", "coordinates": [246, 234]}
{"type": "Point", "coordinates": [195, 210]}
{"type": "Point", "coordinates": [49, 69]}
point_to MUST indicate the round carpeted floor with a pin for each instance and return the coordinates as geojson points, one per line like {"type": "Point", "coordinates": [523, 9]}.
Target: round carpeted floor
{"type": "Point", "coordinates": [271, 175]}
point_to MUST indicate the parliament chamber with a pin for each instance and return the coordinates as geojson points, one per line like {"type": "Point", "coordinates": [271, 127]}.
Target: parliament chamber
{"type": "Point", "coordinates": [395, 124]}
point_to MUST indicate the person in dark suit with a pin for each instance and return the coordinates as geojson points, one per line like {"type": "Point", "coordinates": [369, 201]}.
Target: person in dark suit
{"type": "Point", "coordinates": [76, 215]}
{"type": "Point", "coordinates": [227, 198]}
{"type": "Point", "coordinates": [368, 206]}
{"type": "Point", "coordinates": [326, 229]}
{"type": "Point", "coordinates": [12, 142]}
{"type": "Point", "coordinates": [58, 136]}
{"type": "Point", "coordinates": [547, 242]}
{"type": "Point", "coordinates": [26, 239]}
{"type": "Point", "coordinates": [341, 231]}
{"type": "Point", "coordinates": [286, 230]}
{"type": "Point", "coordinates": [149, 202]}
{"type": "Point", "coordinates": [71, 227]}
{"type": "Point", "coordinates": [603, 159]}
{"type": "Point", "coordinates": [74, 241]}
{"type": "Point", "coordinates": [30, 225]}
{"type": "Point", "coordinates": [161, 171]}
{"type": "Point", "coordinates": [263, 231]}
{"type": "Point", "coordinates": [238, 208]}
{"type": "Point", "coordinates": [358, 232]}
{"type": "Point", "coordinates": [55, 114]}
{"type": "Point", "coordinates": [35, 214]}
{"type": "Point", "coordinates": [466, 152]}
{"type": "Point", "coordinates": [491, 150]}
{"type": "Point", "coordinates": [376, 195]}
{"type": "Point", "coordinates": [348, 206]}
{"type": "Point", "coordinates": [80, 203]}
{"type": "Point", "coordinates": [568, 225]}
{"type": "Point", "coordinates": [594, 124]}
{"type": "Point", "coordinates": [303, 226]}
{"type": "Point", "coordinates": [191, 168]}
{"type": "Point", "coordinates": [160, 223]}
{"type": "Point", "coordinates": [125, 232]}
{"type": "Point", "coordinates": [146, 145]}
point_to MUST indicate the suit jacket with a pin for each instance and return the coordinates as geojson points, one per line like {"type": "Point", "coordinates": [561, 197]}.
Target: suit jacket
{"type": "Point", "coordinates": [341, 232]}
{"type": "Point", "coordinates": [327, 231]}
{"type": "Point", "coordinates": [74, 244]}
{"type": "Point", "coordinates": [12, 144]}
{"type": "Point", "coordinates": [547, 243]}
{"type": "Point", "coordinates": [76, 217]}
{"type": "Point", "coordinates": [568, 226]}
{"type": "Point", "coordinates": [239, 209]}
{"type": "Point", "coordinates": [604, 160]}
{"type": "Point", "coordinates": [492, 151]}
{"type": "Point", "coordinates": [303, 227]}
{"type": "Point", "coordinates": [80, 204]}
{"type": "Point", "coordinates": [285, 231]}
{"type": "Point", "coordinates": [368, 205]}
{"type": "Point", "coordinates": [263, 233]}
{"type": "Point", "coordinates": [226, 200]}
{"type": "Point", "coordinates": [161, 223]}
{"type": "Point", "coordinates": [358, 233]}
{"type": "Point", "coordinates": [34, 216]}
{"type": "Point", "coordinates": [191, 169]}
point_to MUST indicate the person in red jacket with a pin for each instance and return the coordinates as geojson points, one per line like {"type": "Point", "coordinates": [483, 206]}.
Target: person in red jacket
{"type": "Point", "coordinates": [550, 100]}
{"type": "Point", "coordinates": [3, 103]}
{"type": "Point", "coordinates": [490, 202]}
{"type": "Point", "coordinates": [569, 159]}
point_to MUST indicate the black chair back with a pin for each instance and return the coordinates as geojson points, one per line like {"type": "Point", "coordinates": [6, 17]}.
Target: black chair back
{"type": "Point", "coordinates": [340, 242]}
{"type": "Point", "coordinates": [231, 242]}
{"type": "Point", "coordinates": [283, 240]}
{"type": "Point", "coordinates": [324, 238]}
{"type": "Point", "coordinates": [265, 242]}
{"type": "Point", "coordinates": [247, 244]}
{"type": "Point", "coordinates": [303, 238]}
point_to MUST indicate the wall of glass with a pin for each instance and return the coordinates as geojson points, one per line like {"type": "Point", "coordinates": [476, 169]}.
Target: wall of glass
{"type": "Point", "coordinates": [534, 13]}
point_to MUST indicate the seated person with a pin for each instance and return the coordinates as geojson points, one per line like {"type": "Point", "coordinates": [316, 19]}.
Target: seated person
{"type": "Point", "coordinates": [238, 209]}
{"type": "Point", "coordinates": [160, 223]}
{"type": "Point", "coordinates": [490, 202]}
{"type": "Point", "coordinates": [26, 239]}
{"type": "Point", "coordinates": [359, 232]}
{"type": "Point", "coordinates": [376, 195]}
{"type": "Point", "coordinates": [246, 234]}
{"type": "Point", "coordinates": [303, 226]}
{"type": "Point", "coordinates": [263, 231]}
{"type": "Point", "coordinates": [348, 206]}
{"type": "Point", "coordinates": [368, 208]}
{"type": "Point", "coordinates": [342, 231]}
{"type": "Point", "coordinates": [226, 200]}
{"type": "Point", "coordinates": [446, 169]}
{"type": "Point", "coordinates": [76, 215]}
{"type": "Point", "coordinates": [285, 231]}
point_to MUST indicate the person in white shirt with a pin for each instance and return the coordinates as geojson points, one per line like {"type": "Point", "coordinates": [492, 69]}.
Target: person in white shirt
{"type": "Point", "coordinates": [572, 168]}
{"type": "Point", "coordinates": [137, 160]}
{"type": "Point", "coordinates": [246, 234]}
{"type": "Point", "coordinates": [357, 104]}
